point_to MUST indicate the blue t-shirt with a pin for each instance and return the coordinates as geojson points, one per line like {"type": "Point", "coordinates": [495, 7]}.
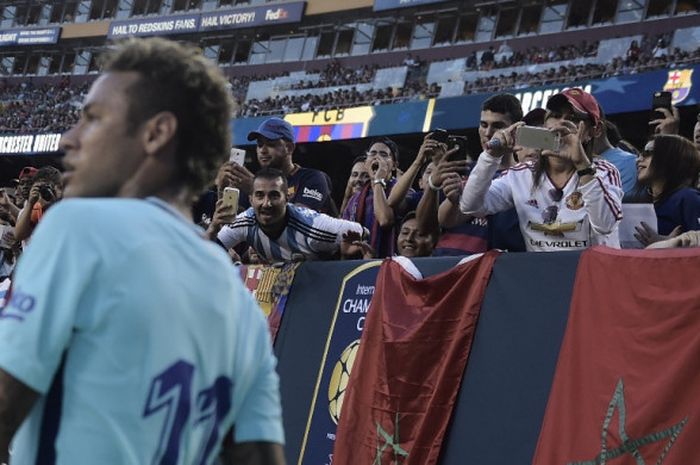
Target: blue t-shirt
{"type": "Point", "coordinates": [139, 337]}
{"type": "Point", "coordinates": [626, 164]}
{"type": "Point", "coordinates": [680, 208]}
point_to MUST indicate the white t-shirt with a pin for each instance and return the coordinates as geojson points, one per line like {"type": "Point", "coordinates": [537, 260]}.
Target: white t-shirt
{"type": "Point", "coordinates": [576, 217]}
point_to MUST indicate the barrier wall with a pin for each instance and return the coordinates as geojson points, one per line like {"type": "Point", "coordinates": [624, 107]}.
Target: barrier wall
{"type": "Point", "coordinates": [508, 377]}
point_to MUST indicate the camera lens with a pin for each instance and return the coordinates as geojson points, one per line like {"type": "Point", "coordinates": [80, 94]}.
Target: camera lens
{"type": "Point", "coordinates": [46, 193]}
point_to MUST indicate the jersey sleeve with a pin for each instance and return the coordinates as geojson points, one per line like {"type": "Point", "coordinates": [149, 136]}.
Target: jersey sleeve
{"type": "Point", "coordinates": [52, 277]}
{"type": "Point", "coordinates": [260, 415]}
{"type": "Point", "coordinates": [602, 198]}
{"type": "Point", "coordinates": [233, 234]}
{"type": "Point", "coordinates": [314, 192]}
{"type": "Point", "coordinates": [482, 195]}
{"type": "Point", "coordinates": [334, 229]}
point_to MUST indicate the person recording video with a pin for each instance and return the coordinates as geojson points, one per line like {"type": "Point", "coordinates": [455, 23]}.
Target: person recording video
{"type": "Point", "coordinates": [46, 190]}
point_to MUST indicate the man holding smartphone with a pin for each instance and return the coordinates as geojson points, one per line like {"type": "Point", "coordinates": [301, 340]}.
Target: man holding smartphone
{"type": "Point", "coordinates": [465, 235]}
{"type": "Point", "coordinates": [275, 145]}
{"type": "Point", "coordinates": [280, 231]}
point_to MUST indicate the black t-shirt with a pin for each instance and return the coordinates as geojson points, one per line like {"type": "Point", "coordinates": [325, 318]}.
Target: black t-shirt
{"type": "Point", "coordinates": [310, 188]}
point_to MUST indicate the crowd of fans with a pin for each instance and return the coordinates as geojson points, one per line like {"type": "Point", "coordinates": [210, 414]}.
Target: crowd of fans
{"type": "Point", "coordinates": [513, 196]}
{"type": "Point", "coordinates": [340, 98]}
{"type": "Point", "coordinates": [53, 108]}
{"type": "Point", "coordinates": [46, 108]}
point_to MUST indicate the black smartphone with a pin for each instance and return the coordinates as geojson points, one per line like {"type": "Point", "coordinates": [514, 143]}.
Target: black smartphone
{"type": "Point", "coordinates": [662, 100]}
{"type": "Point", "coordinates": [461, 143]}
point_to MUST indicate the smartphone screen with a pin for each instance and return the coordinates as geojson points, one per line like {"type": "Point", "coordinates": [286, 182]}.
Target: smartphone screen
{"type": "Point", "coordinates": [237, 156]}
{"type": "Point", "coordinates": [537, 138]}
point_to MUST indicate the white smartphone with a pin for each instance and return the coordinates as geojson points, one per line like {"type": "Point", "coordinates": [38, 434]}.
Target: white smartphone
{"type": "Point", "coordinates": [537, 138]}
{"type": "Point", "coordinates": [230, 197]}
{"type": "Point", "coordinates": [237, 156]}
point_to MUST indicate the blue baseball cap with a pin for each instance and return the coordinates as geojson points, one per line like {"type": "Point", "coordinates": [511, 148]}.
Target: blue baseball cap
{"type": "Point", "coordinates": [273, 129]}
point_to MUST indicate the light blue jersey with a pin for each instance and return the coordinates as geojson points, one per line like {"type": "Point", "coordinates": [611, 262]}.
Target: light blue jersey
{"type": "Point", "coordinates": [140, 338]}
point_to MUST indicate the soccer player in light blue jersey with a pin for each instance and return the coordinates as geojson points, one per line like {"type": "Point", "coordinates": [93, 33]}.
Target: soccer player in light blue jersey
{"type": "Point", "coordinates": [128, 337]}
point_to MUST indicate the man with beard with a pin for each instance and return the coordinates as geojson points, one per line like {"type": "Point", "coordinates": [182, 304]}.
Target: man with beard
{"type": "Point", "coordinates": [279, 231]}
{"type": "Point", "coordinates": [275, 146]}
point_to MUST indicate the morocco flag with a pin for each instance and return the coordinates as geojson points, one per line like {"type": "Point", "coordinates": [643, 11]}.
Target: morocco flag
{"type": "Point", "coordinates": [410, 363]}
{"type": "Point", "coordinates": [627, 385]}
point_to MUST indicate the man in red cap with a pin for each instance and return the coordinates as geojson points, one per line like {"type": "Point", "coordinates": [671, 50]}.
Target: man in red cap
{"type": "Point", "coordinates": [565, 200]}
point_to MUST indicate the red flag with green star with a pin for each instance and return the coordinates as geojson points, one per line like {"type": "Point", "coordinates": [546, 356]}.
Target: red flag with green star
{"type": "Point", "coordinates": [626, 386]}
{"type": "Point", "coordinates": [412, 355]}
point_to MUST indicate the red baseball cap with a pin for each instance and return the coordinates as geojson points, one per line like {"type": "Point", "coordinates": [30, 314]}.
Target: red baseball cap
{"type": "Point", "coordinates": [27, 172]}
{"type": "Point", "coordinates": [580, 100]}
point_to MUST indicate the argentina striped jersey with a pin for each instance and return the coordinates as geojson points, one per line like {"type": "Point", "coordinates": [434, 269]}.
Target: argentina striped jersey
{"type": "Point", "coordinates": [314, 235]}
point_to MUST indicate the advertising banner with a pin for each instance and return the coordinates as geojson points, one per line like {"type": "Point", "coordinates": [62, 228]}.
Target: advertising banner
{"type": "Point", "coordinates": [380, 5]}
{"type": "Point", "coordinates": [201, 22]}
{"type": "Point", "coordinates": [253, 16]}
{"type": "Point", "coordinates": [45, 35]}
{"type": "Point", "coordinates": [29, 144]}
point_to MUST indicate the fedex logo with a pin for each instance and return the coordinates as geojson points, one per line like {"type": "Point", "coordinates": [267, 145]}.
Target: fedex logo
{"type": "Point", "coordinates": [274, 15]}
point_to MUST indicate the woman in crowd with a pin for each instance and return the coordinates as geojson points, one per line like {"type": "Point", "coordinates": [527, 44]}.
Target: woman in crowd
{"type": "Point", "coordinates": [564, 201]}
{"type": "Point", "coordinates": [667, 171]}
{"type": "Point", "coordinates": [370, 206]}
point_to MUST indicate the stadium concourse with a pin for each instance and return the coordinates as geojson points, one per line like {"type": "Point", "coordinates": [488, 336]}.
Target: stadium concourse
{"type": "Point", "coordinates": [412, 157]}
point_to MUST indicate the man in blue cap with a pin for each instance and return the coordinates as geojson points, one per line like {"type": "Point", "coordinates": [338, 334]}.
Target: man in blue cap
{"type": "Point", "coordinates": [275, 144]}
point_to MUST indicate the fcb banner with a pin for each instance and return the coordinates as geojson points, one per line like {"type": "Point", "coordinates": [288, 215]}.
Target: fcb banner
{"type": "Point", "coordinates": [342, 344]}
{"type": "Point", "coordinates": [410, 363]}
{"type": "Point", "coordinates": [626, 385]}
{"type": "Point", "coordinates": [270, 286]}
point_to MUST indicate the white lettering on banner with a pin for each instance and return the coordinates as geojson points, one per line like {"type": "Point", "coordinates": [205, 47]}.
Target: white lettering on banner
{"type": "Point", "coordinates": [355, 305]}
{"type": "Point", "coordinates": [120, 30]}
{"type": "Point", "coordinates": [364, 290]}
{"type": "Point", "coordinates": [29, 144]}
{"type": "Point", "coordinates": [210, 21]}
{"type": "Point", "coordinates": [361, 323]}
{"type": "Point", "coordinates": [238, 18]}
{"type": "Point", "coordinates": [274, 15]}
{"type": "Point", "coordinates": [9, 37]}
{"type": "Point", "coordinates": [163, 26]}
{"type": "Point", "coordinates": [538, 99]}
{"type": "Point", "coordinates": [185, 24]}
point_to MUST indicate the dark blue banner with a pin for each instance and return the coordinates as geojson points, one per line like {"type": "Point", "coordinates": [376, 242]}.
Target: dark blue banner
{"type": "Point", "coordinates": [220, 20]}
{"type": "Point", "coordinates": [254, 16]}
{"type": "Point", "coordinates": [393, 4]}
{"type": "Point", "coordinates": [45, 35]}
